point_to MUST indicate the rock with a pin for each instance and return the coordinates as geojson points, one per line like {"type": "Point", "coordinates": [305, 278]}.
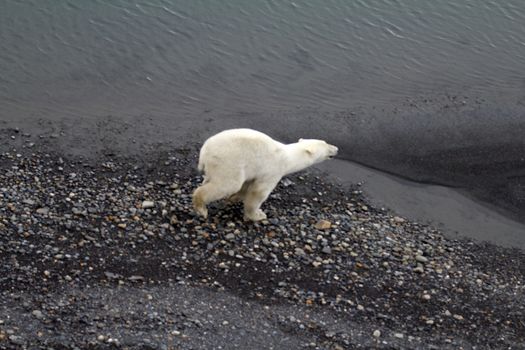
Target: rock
{"type": "Point", "coordinates": [419, 269]}
{"type": "Point", "coordinates": [327, 250]}
{"type": "Point", "coordinates": [42, 211]}
{"type": "Point", "coordinates": [111, 275]}
{"type": "Point", "coordinates": [15, 339]}
{"type": "Point", "coordinates": [299, 252]}
{"type": "Point", "coordinates": [147, 204]}
{"type": "Point", "coordinates": [287, 182]}
{"type": "Point", "coordinates": [77, 211]}
{"type": "Point", "coordinates": [230, 237]}
{"type": "Point", "coordinates": [136, 278]}
{"type": "Point", "coordinates": [421, 259]}
{"type": "Point", "coordinates": [38, 314]}
{"type": "Point", "coordinates": [323, 225]}
{"type": "Point", "coordinates": [377, 333]}
{"type": "Point", "coordinates": [29, 202]}
{"type": "Point", "coordinates": [399, 220]}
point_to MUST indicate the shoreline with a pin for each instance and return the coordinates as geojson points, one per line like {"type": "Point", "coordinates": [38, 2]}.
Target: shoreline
{"type": "Point", "coordinates": [458, 141]}
{"type": "Point", "coordinates": [456, 212]}
{"type": "Point", "coordinates": [327, 270]}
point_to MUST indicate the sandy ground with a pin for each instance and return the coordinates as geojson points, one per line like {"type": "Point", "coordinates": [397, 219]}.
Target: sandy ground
{"type": "Point", "coordinates": [105, 252]}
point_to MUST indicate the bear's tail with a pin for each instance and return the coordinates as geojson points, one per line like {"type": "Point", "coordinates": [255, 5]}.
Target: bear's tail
{"type": "Point", "coordinates": [200, 166]}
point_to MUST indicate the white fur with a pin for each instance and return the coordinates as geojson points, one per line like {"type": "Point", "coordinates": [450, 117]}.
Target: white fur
{"type": "Point", "coordinates": [246, 165]}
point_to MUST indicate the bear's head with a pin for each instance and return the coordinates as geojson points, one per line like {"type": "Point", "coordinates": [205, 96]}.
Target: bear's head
{"type": "Point", "coordinates": [319, 150]}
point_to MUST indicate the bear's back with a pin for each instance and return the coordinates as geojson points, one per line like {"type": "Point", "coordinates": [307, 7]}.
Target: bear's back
{"type": "Point", "coordinates": [250, 149]}
{"type": "Point", "coordinates": [243, 140]}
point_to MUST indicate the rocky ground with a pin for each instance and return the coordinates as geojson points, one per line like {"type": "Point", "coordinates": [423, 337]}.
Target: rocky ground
{"type": "Point", "coordinates": [109, 254]}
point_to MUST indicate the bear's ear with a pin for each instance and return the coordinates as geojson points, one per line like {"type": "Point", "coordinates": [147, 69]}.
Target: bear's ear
{"type": "Point", "coordinates": [300, 140]}
{"type": "Point", "coordinates": [309, 151]}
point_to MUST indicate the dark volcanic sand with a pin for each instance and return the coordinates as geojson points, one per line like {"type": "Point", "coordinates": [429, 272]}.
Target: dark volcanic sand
{"type": "Point", "coordinates": [84, 265]}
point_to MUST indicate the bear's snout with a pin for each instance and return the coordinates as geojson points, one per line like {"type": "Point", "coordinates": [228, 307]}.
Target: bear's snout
{"type": "Point", "coordinates": [332, 151]}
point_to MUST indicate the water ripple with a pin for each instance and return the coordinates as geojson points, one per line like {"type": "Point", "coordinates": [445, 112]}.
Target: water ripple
{"type": "Point", "coordinates": [193, 56]}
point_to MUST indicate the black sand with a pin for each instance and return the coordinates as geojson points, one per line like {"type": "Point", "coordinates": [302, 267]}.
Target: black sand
{"type": "Point", "coordinates": [87, 263]}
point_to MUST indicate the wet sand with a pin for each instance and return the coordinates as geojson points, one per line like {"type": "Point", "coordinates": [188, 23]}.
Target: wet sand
{"type": "Point", "coordinates": [453, 212]}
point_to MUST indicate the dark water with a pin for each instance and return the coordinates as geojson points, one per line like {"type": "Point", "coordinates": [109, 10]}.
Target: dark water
{"type": "Point", "coordinates": [431, 90]}
{"type": "Point", "coordinates": [256, 55]}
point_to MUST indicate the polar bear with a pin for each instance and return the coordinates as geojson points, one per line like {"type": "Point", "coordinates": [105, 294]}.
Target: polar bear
{"type": "Point", "coordinates": [246, 165]}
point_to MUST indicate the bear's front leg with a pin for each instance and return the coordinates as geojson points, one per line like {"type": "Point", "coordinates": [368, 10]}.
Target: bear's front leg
{"type": "Point", "coordinates": [256, 194]}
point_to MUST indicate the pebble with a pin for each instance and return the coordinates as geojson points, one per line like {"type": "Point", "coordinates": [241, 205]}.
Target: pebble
{"type": "Point", "coordinates": [323, 225]}
{"type": "Point", "coordinates": [147, 204]}
{"type": "Point", "coordinates": [42, 211]}
{"type": "Point", "coordinates": [299, 252]}
{"type": "Point", "coordinates": [399, 220]}
{"type": "Point", "coordinates": [38, 314]}
{"type": "Point", "coordinates": [327, 250]}
{"type": "Point", "coordinates": [29, 202]}
{"type": "Point", "coordinates": [377, 333]}
{"type": "Point", "coordinates": [419, 269]}
{"type": "Point", "coordinates": [230, 237]}
{"type": "Point", "coordinates": [15, 339]}
{"type": "Point", "coordinates": [421, 259]}
{"type": "Point", "coordinates": [136, 278]}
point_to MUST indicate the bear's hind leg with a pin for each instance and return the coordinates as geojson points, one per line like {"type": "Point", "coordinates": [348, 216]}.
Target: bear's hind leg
{"type": "Point", "coordinates": [199, 204]}
{"type": "Point", "coordinates": [210, 192]}
{"type": "Point", "coordinates": [239, 196]}
{"type": "Point", "coordinates": [256, 194]}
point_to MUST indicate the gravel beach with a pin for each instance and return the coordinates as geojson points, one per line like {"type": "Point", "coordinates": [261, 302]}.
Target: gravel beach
{"type": "Point", "coordinates": [107, 254]}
